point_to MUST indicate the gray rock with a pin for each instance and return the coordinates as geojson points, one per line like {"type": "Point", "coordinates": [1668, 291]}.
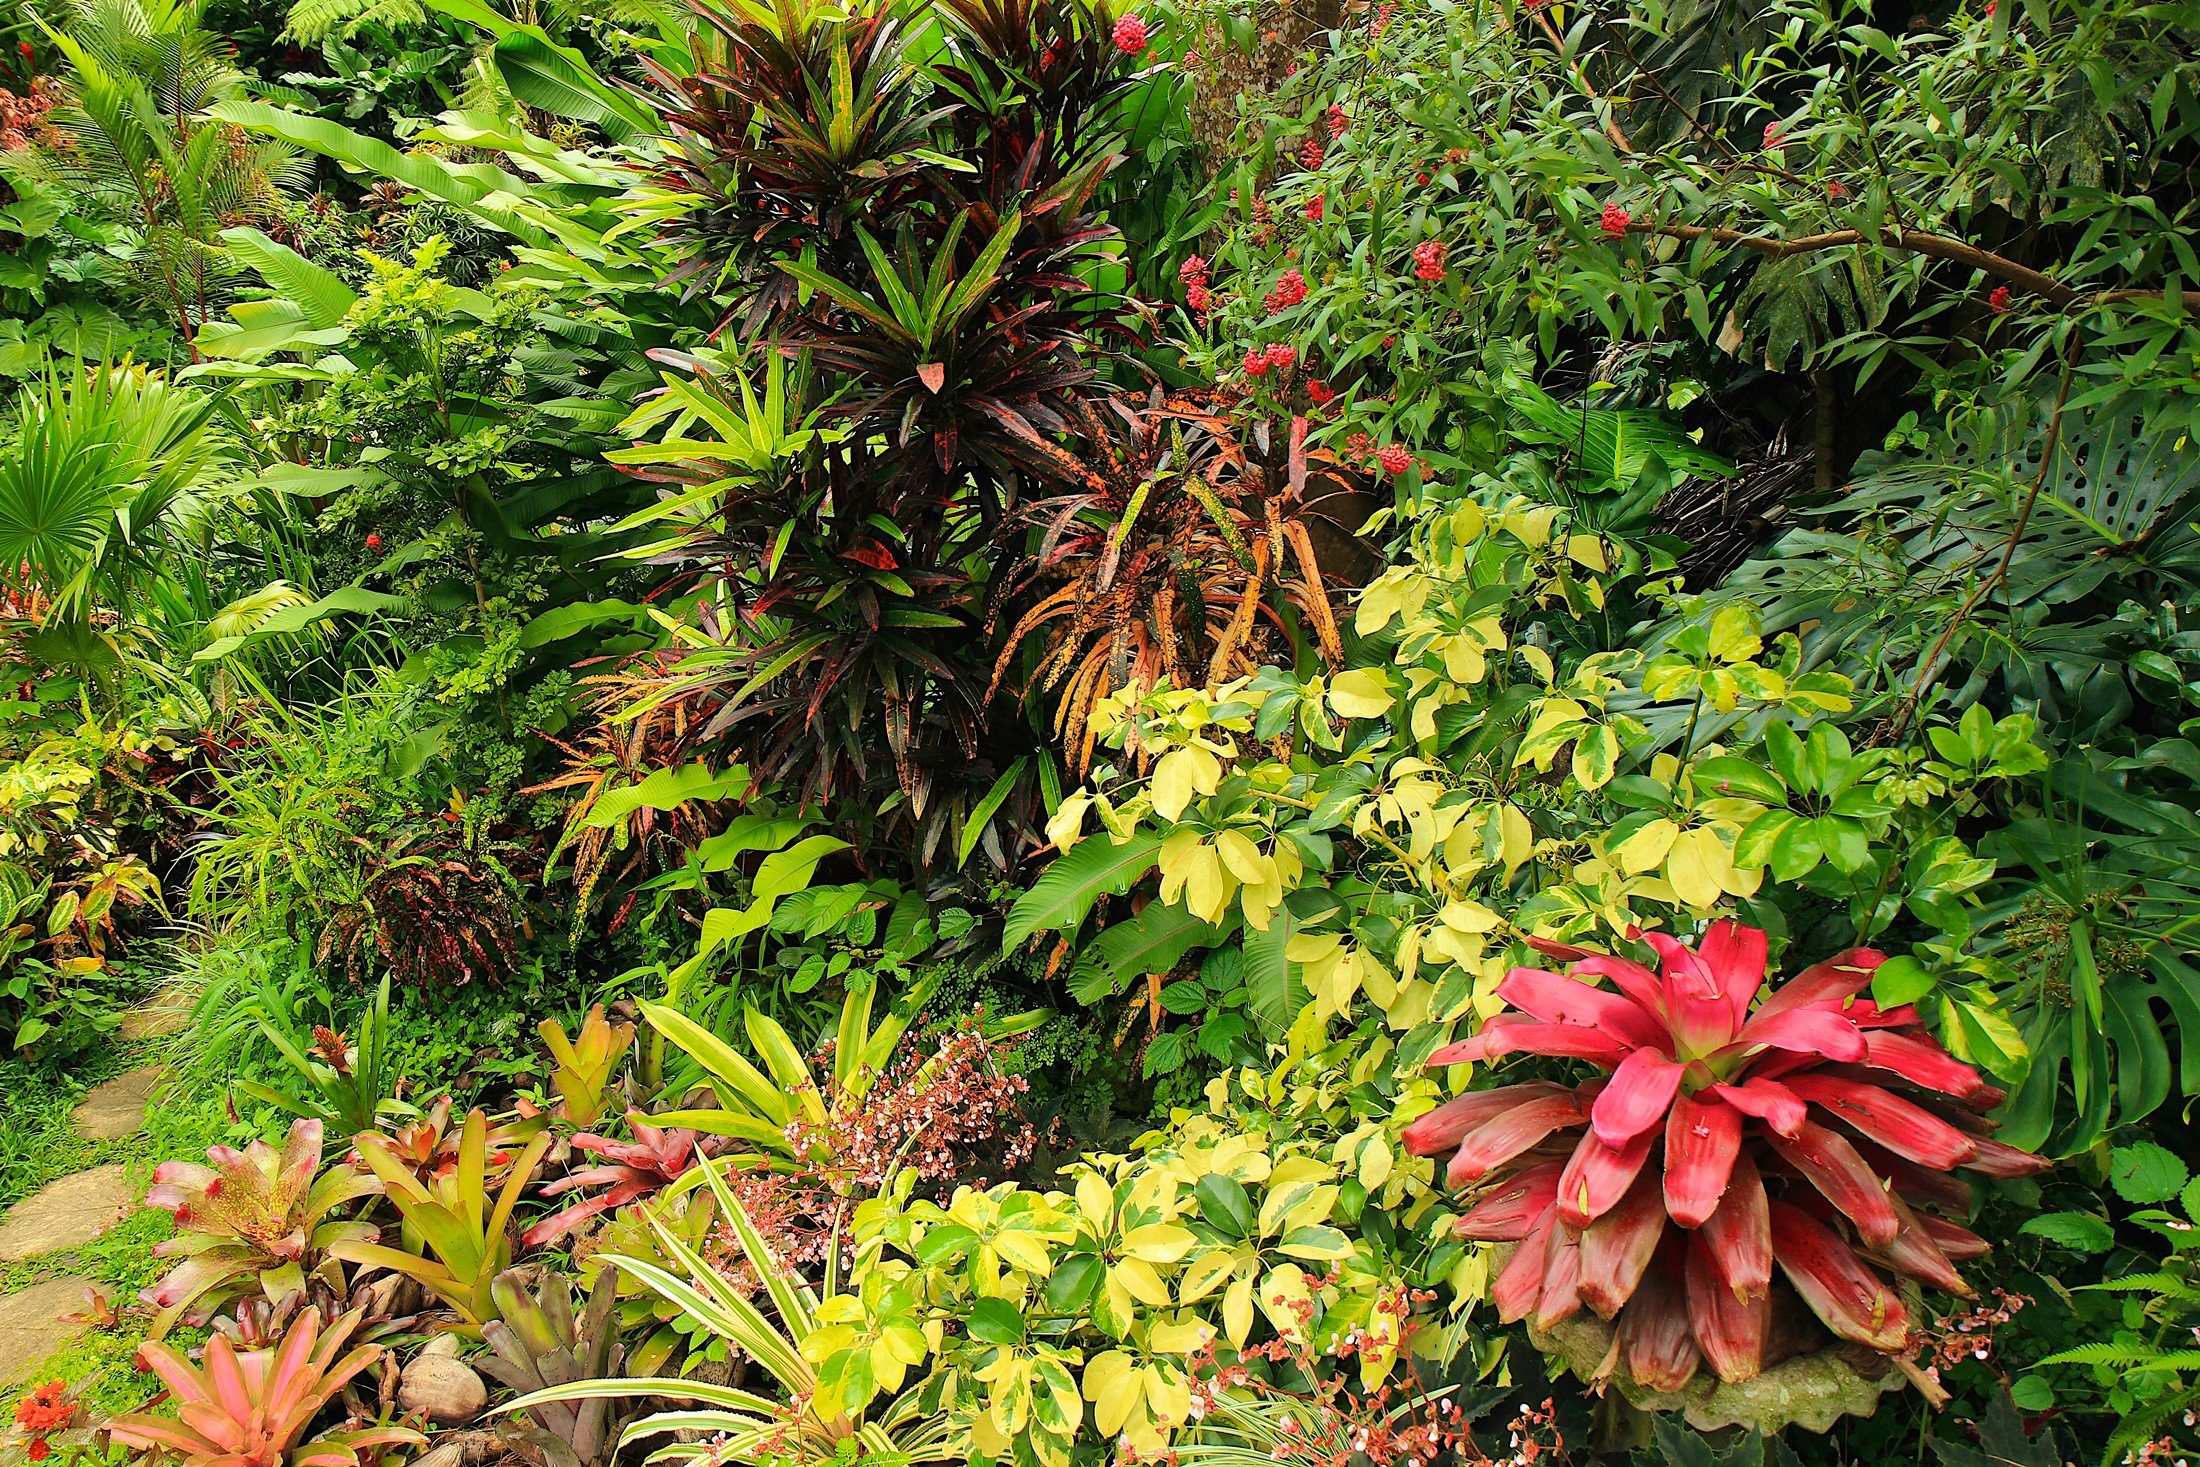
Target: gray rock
{"type": "Point", "coordinates": [32, 1326]}
{"type": "Point", "coordinates": [65, 1214]}
{"type": "Point", "coordinates": [117, 1109]}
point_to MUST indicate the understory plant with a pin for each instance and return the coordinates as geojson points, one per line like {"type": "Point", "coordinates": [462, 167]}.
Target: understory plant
{"type": "Point", "coordinates": [252, 1408]}
{"type": "Point", "coordinates": [1736, 1130]}
{"type": "Point", "coordinates": [254, 1222]}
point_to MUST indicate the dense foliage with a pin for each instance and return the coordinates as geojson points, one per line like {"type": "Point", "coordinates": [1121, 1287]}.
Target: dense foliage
{"type": "Point", "coordinates": [853, 726]}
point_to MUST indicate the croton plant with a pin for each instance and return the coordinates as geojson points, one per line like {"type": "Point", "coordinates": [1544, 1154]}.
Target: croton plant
{"type": "Point", "coordinates": [1808, 1134]}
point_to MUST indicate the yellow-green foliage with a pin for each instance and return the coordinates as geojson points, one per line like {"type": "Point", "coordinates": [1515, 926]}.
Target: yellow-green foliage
{"type": "Point", "coordinates": [1051, 1315]}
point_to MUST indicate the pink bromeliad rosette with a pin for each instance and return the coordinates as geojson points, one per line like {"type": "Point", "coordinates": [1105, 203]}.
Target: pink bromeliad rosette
{"type": "Point", "coordinates": [1739, 1132]}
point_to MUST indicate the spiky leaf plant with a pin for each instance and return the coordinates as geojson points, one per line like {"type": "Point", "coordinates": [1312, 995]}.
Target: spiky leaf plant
{"type": "Point", "coordinates": [1732, 1142]}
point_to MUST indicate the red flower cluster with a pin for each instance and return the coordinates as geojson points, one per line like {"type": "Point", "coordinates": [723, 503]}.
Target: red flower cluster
{"type": "Point", "coordinates": [46, 1409]}
{"type": "Point", "coordinates": [1337, 121]}
{"type": "Point", "coordinates": [1290, 290]}
{"type": "Point", "coordinates": [1313, 207]}
{"type": "Point", "coordinates": [1835, 189]}
{"type": "Point", "coordinates": [1998, 299]}
{"type": "Point", "coordinates": [1318, 392]}
{"type": "Point", "coordinates": [1428, 259]}
{"type": "Point", "coordinates": [1310, 155]}
{"type": "Point", "coordinates": [374, 540]}
{"type": "Point", "coordinates": [1193, 272]}
{"type": "Point", "coordinates": [1614, 221]}
{"type": "Point", "coordinates": [1394, 458]}
{"type": "Point", "coordinates": [1383, 13]}
{"type": "Point", "coordinates": [1130, 35]}
{"type": "Point", "coordinates": [1282, 356]}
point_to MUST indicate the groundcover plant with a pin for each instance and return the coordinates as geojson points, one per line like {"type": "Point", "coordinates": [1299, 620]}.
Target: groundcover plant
{"type": "Point", "coordinates": [1059, 732]}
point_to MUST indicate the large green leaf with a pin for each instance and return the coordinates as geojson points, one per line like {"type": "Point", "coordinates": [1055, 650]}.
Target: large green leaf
{"type": "Point", "coordinates": [556, 80]}
{"type": "Point", "coordinates": [1059, 899]}
{"type": "Point", "coordinates": [345, 601]}
{"type": "Point", "coordinates": [314, 289]}
{"type": "Point", "coordinates": [1150, 942]}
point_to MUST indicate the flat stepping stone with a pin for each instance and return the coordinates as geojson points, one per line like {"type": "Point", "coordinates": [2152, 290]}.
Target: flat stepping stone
{"type": "Point", "coordinates": [117, 1109]}
{"type": "Point", "coordinates": [65, 1214]}
{"type": "Point", "coordinates": [32, 1326]}
{"type": "Point", "coordinates": [165, 1013]}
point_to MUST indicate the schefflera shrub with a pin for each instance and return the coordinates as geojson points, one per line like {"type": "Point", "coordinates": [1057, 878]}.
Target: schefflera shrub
{"type": "Point", "coordinates": [1732, 1142]}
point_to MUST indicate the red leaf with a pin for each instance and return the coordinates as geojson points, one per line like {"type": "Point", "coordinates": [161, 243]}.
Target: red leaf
{"type": "Point", "coordinates": [1921, 1062]}
{"type": "Point", "coordinates": [1654, 1338]}
{"type": "Point", "coordinates": [1596, 1177]}
{"type": "Point", "coordinates": [1506, 1213]}
{"type": "Point", "coordinates": [933, 375]}
{"type": "Point", "coordinates": [1557, 1000]}
{"type": "Point", "coordinates": [1702, 1137]}
{"type": "Point", "coordinates": [1637, 1099]}
{"type": "Point", "coordinates": [1769, 1101]}
{"type": "Point", "coordinates": [1617, 1247]}
{"type": "Point", "coordinates": [1442, 1128]}
{"type": "Point", "coordinates": [1739, 1233]}
{"type": "Point", "coordinates": [1510, 1132]}
{"type": "Point", "coordinates": [1905, 1129]}
{"type": "Point", "coordinates": [1852, 1300]}
{"type": "Point", "coordinates": [1729, 1330]}
{"type": "Point", "coordinates": [1831, 1165]}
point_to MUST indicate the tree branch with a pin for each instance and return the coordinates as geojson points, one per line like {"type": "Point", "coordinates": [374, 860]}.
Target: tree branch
{"type": "Point", "coordinates": [1917, 242]}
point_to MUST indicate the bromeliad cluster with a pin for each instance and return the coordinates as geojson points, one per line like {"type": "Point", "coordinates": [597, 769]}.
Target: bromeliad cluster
{"type": "Point", "coordinates": [1812, 1135]}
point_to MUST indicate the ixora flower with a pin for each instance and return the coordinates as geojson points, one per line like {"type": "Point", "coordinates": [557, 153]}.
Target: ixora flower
{"type": "Point", "coordinates": [1130, 35]}
{"type": "Point", "coordinates": [1614, 221]}
{"type": "Point", "coordinates": [1810, 1135]}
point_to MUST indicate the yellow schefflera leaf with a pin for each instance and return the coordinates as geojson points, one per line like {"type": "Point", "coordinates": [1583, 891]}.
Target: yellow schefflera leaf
{"type": "Point", "coordinates": [1364, 692]}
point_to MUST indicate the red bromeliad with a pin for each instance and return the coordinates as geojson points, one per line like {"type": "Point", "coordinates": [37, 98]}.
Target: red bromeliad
{"type": "Point", "coordinates": [1810, 1134]}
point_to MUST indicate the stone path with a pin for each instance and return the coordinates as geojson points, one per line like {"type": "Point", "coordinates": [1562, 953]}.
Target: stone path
{"type": "Point", "coordinates": [66, 1214]}
{"type": "Point", "coordinates": [165, 1013]}
{"type": "Point", "coordinates": [33, 1325]}
{"type": "Point", "coordinates": [117, 1109]}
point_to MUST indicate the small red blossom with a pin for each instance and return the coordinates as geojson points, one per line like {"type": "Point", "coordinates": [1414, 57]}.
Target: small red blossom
{"type": "Point", "coordinates": [1773, 136]}
{"type": "Point", "coordinates": [1989, 9]}
{"type": "Point", "coordinates": [1383, 13]}
{"type": "Point", "coordinates": [1337, 121]}
{"type": "Point", "coordinates": [1193, 271]}
{"type": "Point", "coordinates": [1310, 155]}
{"type": "Point", "coordinates": [1130, 35]}
{"type": "Point", "coordinates": [1191, 58]}
{"type": "Point", "coordinates": [1280, 354]}
{"type": "Point", "coordinates": [1318, 391]}
{"type": "Point", "coordinates": [1256, 363]}
{"type": "Point", "coordinates": [1199, 298]}
{"type": "Point", "coordinates": [1394, 458]}
{"type": "Point", "coordinates": [1835, 189]}
{"type": "Point", "coordinates": [1614, 221]}
{"type": "Point", "coordinates": [1389, 342]}
{"type": "Point", "coordinates": [1313, 207]}
{"type": "Point", "coordinates": [1290, 290]}
{"type": "Point", "coordinates": [27, 49]}
{"type": "Point", "coordinates": [1998, 299]}
{"type": "Point", "coordinates": [1421, 178]}
{"type": "Point", "coordinates": [1428, 260]}
{"type": "Point", "coordinates": [374, 541]}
